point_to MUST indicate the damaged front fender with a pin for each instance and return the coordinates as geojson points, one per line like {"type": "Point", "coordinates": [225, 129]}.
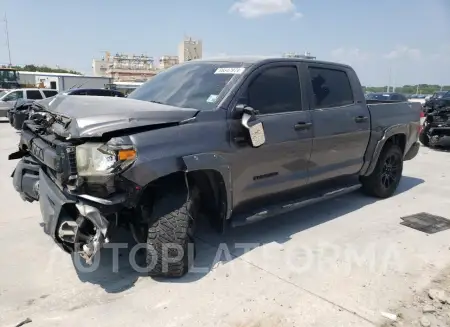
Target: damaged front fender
{"type": "Point", "coordinates": [213, 161]}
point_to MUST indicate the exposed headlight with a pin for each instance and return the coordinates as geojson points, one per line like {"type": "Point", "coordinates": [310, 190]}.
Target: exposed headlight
{"type": "Point", "coordinates": [103, 159]}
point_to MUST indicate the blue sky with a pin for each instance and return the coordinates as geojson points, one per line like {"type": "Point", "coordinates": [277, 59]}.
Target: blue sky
{"type": "Point", "coordinates": [410, 37]}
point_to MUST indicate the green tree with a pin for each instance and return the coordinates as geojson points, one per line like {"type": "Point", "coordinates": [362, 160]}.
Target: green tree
{"type": "Point", "coordinates": [45, 69]}
{"type": "Point", "coordinates": [410, 89]}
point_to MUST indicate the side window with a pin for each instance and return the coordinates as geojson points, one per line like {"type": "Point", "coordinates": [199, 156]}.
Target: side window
{"type": "Point", "coordinates": [275, 90]}
{"type": "Point", "coordinates": [49, 93]}
{"type": "Point", "coordinates": [401, 97]}
{"type": "Point", "coordinates": [331, 88]}
{"type": "Point", "coordinates": [13, 96]}
{"type": "Point", "coordinates": [34, 95]}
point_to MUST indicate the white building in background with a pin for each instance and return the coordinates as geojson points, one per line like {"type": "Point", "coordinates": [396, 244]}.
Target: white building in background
{"type": "Point", "coordinates": [168, 61]}
{"type": "Point", "coordinates": [124, 67]}
{"type": "Point", "coordinates": [61, 81]}
{"type": "Point", "coordinates": [99, 67]}
{"type": "Point", "coordinates": [190, 49]}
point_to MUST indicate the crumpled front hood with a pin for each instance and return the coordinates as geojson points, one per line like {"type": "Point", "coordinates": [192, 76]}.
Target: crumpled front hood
{"type": "Point", "coordinates": [93, 116]}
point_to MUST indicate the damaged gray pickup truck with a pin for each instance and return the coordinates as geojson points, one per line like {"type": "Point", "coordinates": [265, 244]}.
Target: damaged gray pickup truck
{"type": "Point", "coordinates": [235, 140]}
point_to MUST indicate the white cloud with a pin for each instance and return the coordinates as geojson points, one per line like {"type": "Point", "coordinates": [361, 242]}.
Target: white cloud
{"type": "Point", "coordinates": [258, 8]}
{"type": "Point", "coordinates": [297, 15]}
{"type": "Point", "coordinates": [402, 52]}
{"type": "Point", "coordinates": [349, 55]}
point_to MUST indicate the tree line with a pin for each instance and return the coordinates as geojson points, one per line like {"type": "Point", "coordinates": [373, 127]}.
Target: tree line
{"type": "Point", "coordinates": [410, 89]}
{"type": "Point", "coordinates": [45, 69]}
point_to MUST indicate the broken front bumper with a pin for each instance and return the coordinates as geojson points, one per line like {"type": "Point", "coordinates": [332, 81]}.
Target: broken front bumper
{"type": "Point", "coordinates": [75, 222]}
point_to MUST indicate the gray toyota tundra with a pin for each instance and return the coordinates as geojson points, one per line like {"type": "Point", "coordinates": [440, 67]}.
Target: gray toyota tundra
{"type": "Point", "coordinates": [235, 140]}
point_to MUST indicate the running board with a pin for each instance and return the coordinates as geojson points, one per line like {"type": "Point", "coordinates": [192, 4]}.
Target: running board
{"type": "Point", "coordinates": [287, 207]}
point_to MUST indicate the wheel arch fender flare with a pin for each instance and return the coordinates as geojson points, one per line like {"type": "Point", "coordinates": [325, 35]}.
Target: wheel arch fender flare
{"type": "Point", "coordinates": [218, 163]}
{"type": "Point", "coordinates": [399, 129]}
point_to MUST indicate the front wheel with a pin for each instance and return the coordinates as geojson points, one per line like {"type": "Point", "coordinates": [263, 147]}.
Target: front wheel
{"type": "Point", "coordinates": [170, 238]}
{"type": "Point", "coordinates": [386, 176]}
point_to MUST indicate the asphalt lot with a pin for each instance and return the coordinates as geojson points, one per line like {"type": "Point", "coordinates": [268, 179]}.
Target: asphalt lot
{"type": "Point", "coordinates": [338, 263]}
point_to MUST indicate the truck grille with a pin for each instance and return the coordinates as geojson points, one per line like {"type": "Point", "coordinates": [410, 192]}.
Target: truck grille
{"type": "Point", "coordinates": [72, 161]}
{"type": "Point", "coordinates": [56, 155]}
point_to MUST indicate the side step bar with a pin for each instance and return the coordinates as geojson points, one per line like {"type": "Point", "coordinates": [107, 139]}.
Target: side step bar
{"type": "Point", "coordinates": [287, 207]}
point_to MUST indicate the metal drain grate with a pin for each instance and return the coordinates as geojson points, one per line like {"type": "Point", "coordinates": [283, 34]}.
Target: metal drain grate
{"type": "Point", "coordinates": [426, 222]}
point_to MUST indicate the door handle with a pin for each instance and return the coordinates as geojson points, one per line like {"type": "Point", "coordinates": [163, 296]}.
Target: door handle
{"type": "Point", "coordinates": [361, 119]}
{"type": "Point", "coordinates": [302, 125]}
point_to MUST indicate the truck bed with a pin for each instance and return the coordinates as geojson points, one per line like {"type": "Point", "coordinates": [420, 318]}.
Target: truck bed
{"type": "Point", "coordinates": [392, 115]}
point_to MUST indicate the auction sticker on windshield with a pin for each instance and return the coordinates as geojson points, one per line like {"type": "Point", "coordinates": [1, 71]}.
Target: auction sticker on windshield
{"type": "Point", "coordinates": [232, 71]}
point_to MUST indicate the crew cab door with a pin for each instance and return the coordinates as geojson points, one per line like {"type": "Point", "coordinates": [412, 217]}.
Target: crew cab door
{"type": "Point", "coordinates": [341, 122]}
{"type": "Point", "coordinates": [280, 165]}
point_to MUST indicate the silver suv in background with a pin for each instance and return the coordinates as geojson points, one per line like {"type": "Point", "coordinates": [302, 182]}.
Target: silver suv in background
{"type": "Point", "coordinates": [9, 98]}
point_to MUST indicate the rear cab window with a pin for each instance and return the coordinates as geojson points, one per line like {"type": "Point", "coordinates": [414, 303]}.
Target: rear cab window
{"type": "Point", "coordinates": [331, 87]}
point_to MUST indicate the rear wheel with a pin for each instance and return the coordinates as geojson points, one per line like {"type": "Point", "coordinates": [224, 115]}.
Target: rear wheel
{"type": "Point", "coordinates": [170, 238]}
{"type": "Point", "coordinates": [386, 176]}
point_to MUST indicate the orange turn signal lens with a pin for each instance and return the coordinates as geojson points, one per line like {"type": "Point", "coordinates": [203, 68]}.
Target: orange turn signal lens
{"type": "Point", "coordinates": [127, 155]}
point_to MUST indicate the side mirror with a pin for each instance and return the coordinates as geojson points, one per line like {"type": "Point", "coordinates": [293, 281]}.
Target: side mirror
{"type": "Point", "coordinates": [250, 122]}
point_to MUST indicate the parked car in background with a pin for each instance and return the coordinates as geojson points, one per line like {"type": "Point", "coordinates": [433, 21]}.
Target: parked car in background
{"type": "Point", "coordinates": [8, 98]}
{"type": "Point", "coordinates": [420, 98]}
{"type": "Point", "coordinates": [436, 126]}
{"type": "Point", "coordinates": [95, 92]}
{"type": "Point", "coordinates": [386, 96]}
{"type": "Point", "coordinates": [430, 103]}
{"type": "Point", "coordinates": [256, 138]}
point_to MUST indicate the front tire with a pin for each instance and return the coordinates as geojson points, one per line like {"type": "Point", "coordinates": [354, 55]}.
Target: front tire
{"type": "Point", "coordinates": [170, 239]}
{"type": "Point", "coordinates": [384, 180]}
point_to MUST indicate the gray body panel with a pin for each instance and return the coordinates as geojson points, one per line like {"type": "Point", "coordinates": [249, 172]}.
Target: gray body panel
{"type": "Point", "coordinates": [290, 160]}
{"type": "Point", "coordinates": [388, 119]}
{"type": "Point", "coordinates": [161, 151]}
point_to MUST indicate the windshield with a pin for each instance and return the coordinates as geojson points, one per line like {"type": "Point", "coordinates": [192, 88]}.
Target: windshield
{"type": "Point", "coordinates": [191, 85]}
{"type": "Point", "coordinates": [2, 93]}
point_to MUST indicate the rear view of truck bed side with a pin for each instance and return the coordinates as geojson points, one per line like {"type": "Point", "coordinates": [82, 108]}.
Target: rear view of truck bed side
{"type": "Point", "coordinates": [399, 119]}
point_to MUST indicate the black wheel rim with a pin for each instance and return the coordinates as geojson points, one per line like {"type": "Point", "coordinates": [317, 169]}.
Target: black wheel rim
{"type": "Point", "coordinates": [390, 172]}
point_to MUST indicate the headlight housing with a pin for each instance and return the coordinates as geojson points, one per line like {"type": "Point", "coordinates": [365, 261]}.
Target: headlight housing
{"type": "Point", "coordinates": [97, 159]}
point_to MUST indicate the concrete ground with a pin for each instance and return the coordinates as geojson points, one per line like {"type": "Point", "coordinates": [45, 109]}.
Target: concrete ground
{"type": "Point", "coordinates": [337, 263]}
